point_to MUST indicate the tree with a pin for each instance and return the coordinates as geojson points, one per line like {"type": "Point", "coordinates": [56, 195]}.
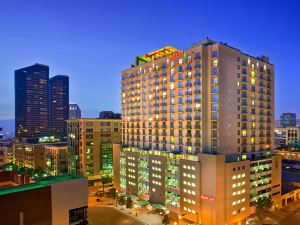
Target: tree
{"type": "Point", "coordinates": [112, 192]}
{"type": "Point", "coordinates": [105, 180]}
{"type": "Point", "coordinates": [129, 203]}
{"type": "Point", "coordinates": [9, 167]}
{"type": "Point", "coordinates": [122, 200]}
{"type": "Point", "coordinates": [263, 206]}
{"type": "Point", "coordinates": [166, 219]}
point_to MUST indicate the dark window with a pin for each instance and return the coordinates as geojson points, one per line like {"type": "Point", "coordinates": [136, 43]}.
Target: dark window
{"type": "Point", "coordinates": [78, 216]}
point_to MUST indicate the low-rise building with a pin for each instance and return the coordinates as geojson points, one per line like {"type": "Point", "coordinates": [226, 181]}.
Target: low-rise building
{"type": "Point", "coordinates": [203, 188]}
{"type": "Point", "coordinates": [57, 159]}
{"type": "Point", "coordinates": [289, 136]}
{"type": "Point", "coordinates": [1, 135]}
{"type": "Point", "coordinates": [29, 155]}
{"type": "Point", "coordinates": [292, 135]}
{"type": "Point", "coordinates": [50, 157]}
{"type": "Point", "coordinates": [55, 200]}
{"type": "Point", "coordinates": [4, 155]}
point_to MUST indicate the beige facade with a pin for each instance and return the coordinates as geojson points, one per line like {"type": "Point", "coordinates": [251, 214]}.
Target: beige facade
{"type": "Point", "coordinates": [209, 108]}
{"type": "Point", "coordinates": [292, 135]}
{"type": "Point", "coordinates": [52, 158]}
{"type": "Point", "coordinates": [289, 135]}
{"type": "Point", "coordinates": [90, 145]}
{"type": "Point", "coordinates": [57, 158]}
{"type": "Point", "coordinates": [220, 90]}
{"type": "Point", "coordinates": [29, 155]}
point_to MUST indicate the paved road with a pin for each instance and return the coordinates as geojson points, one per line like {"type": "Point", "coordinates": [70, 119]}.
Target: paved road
{"type": "Point", "coordinates": [293, 219]}
{"type": "Point", "coordinates": [109, 216]}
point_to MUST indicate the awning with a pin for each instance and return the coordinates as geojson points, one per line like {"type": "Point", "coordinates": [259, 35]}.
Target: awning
{"type": "Point", "coordinates": [143, 203]}
{"type": "Point", "coordinates": [158, 206]}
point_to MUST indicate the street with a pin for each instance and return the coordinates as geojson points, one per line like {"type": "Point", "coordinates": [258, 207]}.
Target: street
{"type": "Point", "coordinates": [293, 219]}
{"type": "Point", "coordinates": [109, 216]}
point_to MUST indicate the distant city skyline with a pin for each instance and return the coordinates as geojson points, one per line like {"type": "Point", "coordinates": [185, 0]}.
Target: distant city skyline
{"type": "Point", "coordinates": [80, 42]}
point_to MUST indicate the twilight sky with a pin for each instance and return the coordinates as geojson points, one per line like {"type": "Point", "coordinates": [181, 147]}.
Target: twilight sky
{"type": "Point", "coordinates": [93, 40]}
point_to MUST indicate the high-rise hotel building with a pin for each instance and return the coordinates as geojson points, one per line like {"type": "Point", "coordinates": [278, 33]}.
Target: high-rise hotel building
{"type": "Point", "coordinates": [197, 132]}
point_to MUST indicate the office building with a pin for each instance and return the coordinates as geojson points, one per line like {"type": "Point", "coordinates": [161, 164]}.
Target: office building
{"type": "Point", "coordinates": [59, 105]}
{"type": "Point", "coordinates": [32, 101]}
{"type": "Point", "coordinates": [197, 132]}
{"type": "Point", "coordinates": [74, 112]}
{"type": "Point", "coordinates": [50, 201]}
{"type": "Point", "coordinates": [90, 144]}
{"type": "Point", "coordinates": [288, 119]}
{"type": "Point", "coordinates": [109, 115]}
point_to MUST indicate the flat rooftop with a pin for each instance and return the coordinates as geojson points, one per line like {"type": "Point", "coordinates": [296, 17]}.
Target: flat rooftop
{"type": "Point", "coordinates": [40, 183]}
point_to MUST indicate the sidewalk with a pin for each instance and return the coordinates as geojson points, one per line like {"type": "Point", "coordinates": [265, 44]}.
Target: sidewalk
{"type": "Point", "coordinates": [142, 215]}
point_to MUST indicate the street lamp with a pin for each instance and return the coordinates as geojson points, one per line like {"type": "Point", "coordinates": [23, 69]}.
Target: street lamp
{"type": "Point", "coordinates": [116, 198]}
{"type": "Point", "coordinates": [135, 206]}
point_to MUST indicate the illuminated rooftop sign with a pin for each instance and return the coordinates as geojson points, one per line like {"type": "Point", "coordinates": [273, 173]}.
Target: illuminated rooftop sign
{"type": "Point", "coordinates": [175, 54]}
{"type": "Point", "coordinates": [211, 199]}
{"type": "Point", "coordinates": [168, 50]}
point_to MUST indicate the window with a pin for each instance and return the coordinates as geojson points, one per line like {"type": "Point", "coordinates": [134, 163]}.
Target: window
{"type": "Point", "coordinates": [78, 216]}
{"type": "Point", "coordinates": [215, 116]}
{"type": "Point", "coordinates": [214, 71]}
{"type": "Point", "coordinates": [215, 62]}
{"type": "Point", "coordinates": [214, 54]}
{"type": "Point", "coordinates": [215, 98]}
{"type": "Point", "coordinates": [215, 107]}
{"type": "Point", "coordinates": [215, 89]}
{"type": "Point", "coordinates": [215, 80]}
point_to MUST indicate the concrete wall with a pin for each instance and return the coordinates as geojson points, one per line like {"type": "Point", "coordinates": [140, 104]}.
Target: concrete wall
{"type": "Point", "coordinates": [212, 185]}
{"type": "Point", "coordinates": [276, 180]}
{"type": "Point", "coordinates": [116, 165]}
{"type": "Point", "coordinates": [66, 196]}
{"type": "Point", "coordinates": [157, 185]}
